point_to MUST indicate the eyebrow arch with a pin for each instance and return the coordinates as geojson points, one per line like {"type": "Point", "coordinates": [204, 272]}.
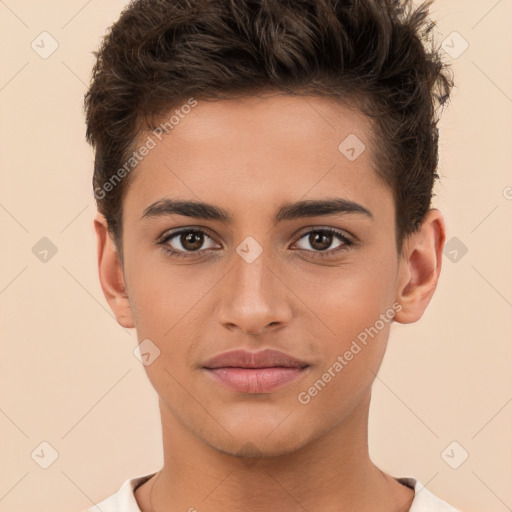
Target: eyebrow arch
{"type": "Point", "coordinates": [288, 211]}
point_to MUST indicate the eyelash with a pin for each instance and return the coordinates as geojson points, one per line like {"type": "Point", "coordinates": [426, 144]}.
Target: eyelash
{"type": "Point", "coordinates": [347, 243]}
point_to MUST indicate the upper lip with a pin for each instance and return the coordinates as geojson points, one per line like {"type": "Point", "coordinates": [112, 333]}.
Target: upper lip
{"type": "Point", "coordinates": [245, 359]}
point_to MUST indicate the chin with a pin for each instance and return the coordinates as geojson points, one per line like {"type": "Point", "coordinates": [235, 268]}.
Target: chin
{"type": "Point", "coordinates": [249, 452]}
{"type": "Point", "coordinates": [256, 443]}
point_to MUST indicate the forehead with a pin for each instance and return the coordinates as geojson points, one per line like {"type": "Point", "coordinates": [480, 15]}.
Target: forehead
{"type": "Point", "coordinates": [257, 151]}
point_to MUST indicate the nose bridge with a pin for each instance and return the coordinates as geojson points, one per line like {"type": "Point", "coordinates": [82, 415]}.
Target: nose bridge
{"type": "Point", "coordinates": [253, 297]}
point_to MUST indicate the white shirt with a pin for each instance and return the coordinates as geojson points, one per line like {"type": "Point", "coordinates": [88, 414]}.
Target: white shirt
{"type": "Point", "coordinates": [124, 499]}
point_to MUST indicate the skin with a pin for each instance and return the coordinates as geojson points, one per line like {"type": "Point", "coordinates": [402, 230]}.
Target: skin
{"type": "Point", "coordinates": [249, 156]}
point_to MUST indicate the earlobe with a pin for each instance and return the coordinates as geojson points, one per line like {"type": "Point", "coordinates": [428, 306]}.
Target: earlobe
{"type": "Point", "coordinates": [420, 267]}
{"type": "Point", "coordinates": [111, 274]}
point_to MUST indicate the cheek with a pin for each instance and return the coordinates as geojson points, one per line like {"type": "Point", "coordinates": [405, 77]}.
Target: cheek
{"type": "Point", "coordinates": [357, 307]}
{"type": "Point", "coordinates": [351, 297]}
{"type": "Point", "coordinates": [354, 306]}
{"type": "Point", "coordinates": [352, 351]}
{"type": "Point", "coordinates": [357, 330]}
{"type": "Point", "coordinates": [162, 296]}
{"type": "Point", "coordinates": [168, 309]}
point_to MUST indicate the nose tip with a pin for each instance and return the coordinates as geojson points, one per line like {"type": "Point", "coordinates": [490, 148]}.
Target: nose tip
{"type": "Point", "coordinates": [253, 327]}
{"type": "Point", "coordinates": [253, 299]}
{"type": "Point", "coordinates": [257, 331]}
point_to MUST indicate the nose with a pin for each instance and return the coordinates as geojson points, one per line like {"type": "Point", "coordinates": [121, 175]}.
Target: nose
{"type": "Point", "coordinates": [254, 298]}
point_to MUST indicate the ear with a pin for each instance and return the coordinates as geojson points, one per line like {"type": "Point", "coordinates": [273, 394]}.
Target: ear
{"type": "Point", "coordinates": [111, 274]}
{"type": "Point", "coordinates": [420, 266]}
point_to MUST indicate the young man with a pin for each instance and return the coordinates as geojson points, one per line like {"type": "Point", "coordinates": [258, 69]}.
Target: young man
{"type": "Point", "coordinates": [263, 173]}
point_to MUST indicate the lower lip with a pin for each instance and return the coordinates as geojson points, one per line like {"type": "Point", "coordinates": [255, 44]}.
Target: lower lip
{"type": "Point", "coordinates": [255, 380]}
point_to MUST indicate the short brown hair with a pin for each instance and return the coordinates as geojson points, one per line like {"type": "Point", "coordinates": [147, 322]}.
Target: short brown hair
{"type": "Point", "coordinates": [379, 55]}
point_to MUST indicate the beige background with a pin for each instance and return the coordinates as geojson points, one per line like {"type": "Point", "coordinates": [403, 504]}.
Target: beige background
{"type": "Point", "coordinates": [68, 374]}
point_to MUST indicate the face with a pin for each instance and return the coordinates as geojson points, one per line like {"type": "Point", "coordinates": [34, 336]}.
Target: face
{"type": "Point", "coordinates": [256, 270]}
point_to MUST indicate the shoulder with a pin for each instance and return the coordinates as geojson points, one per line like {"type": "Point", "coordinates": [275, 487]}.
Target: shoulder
{"type": "Point", "coordinates": [424, 500]}
{"type": "Point", "coordinates": [124, 499]}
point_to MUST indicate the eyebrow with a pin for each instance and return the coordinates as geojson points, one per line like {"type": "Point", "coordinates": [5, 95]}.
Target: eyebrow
{"type": "Point", "coordinates": [288, 211]}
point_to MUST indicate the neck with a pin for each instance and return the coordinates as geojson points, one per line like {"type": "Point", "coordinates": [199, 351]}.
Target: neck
{"type": "Point", "coordinates": [331, 473]}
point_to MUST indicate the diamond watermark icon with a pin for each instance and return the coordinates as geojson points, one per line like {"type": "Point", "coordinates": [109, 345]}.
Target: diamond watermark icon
{"type": "Point", "coordinates": [352, 147]}
{"type": "Point", "coordinates": [249, 454]}
{"type": "Point", "coordinates": [455, 249]}
{"type": "Point", "coordinates": [454, 45]}
{"type": "Point", "coordinates": [44, 455]}
{"type": "Point", "coordinates": [44, 45]}
{"type": "Point", "coordinates": [146, 352]}
{"type": "Point", "coordinates": [454, 455]}
{"type": "Point", "coordinates": [44, 250]}
{"type": "Point", "coordinates": [249, 249]}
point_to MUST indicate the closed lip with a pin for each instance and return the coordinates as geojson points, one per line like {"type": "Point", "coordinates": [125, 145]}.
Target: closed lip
{"type": "Point", "coordinates": [263, 359]}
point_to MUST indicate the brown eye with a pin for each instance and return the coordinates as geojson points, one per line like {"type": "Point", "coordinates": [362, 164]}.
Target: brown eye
{"type": "Point", "coordinates": [192, 241]}
{"type": "Point", "coordinates": [187, 241]}
{"type": "Point", "coordinates": [320, 240]}
{"type": "Point", "coordinates": [319, 243]}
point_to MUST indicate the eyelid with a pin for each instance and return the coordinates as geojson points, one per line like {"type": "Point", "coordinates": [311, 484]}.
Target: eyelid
{"type": "Point", "coordinates": [335, 231]}
{"type": "Point", "coordinates": [305, 230]}
{"type": "Point", "coordinates": [165, 238]}
{"type": "Point", "coordinates": [346, 239]}
{"type": "Point", "coordinates": [167, 235]}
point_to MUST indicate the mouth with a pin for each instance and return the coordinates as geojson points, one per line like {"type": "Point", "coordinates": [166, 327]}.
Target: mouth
{"type": "Point", "coordinates": [255, 372]}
